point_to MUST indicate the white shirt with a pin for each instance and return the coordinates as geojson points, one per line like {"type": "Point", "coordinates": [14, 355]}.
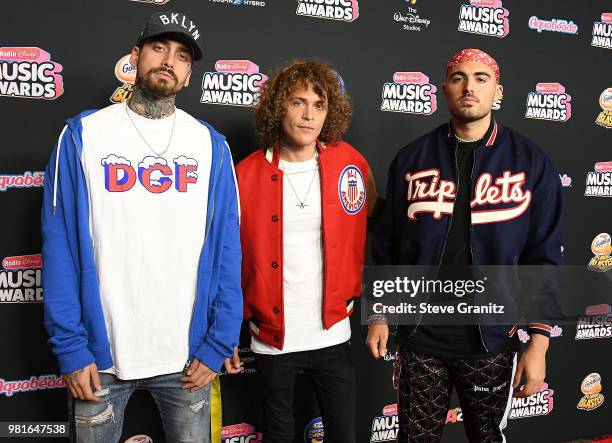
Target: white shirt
{"type": "Point", "coordinates": [303, 265]}
{"type": "Point", "coordinates": [146, 243]}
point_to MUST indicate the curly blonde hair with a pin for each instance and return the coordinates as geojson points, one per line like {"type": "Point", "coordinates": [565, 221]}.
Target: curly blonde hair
{"type": "Point", "coordinates": [302, 73]}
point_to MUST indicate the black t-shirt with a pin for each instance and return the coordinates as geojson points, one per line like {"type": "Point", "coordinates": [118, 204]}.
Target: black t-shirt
{"type": "Point", "coordinates": [445, 340]}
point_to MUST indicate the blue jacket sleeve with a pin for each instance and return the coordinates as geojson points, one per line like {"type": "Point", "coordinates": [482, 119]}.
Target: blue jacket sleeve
{"type": "Point", "coordinates": [226, 310]}
{"type": "Point", "coordinates": [61, 271]}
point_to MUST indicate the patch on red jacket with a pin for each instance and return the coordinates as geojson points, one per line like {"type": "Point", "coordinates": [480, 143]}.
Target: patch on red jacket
{"type": "Point", "coordinates": [351, 190]}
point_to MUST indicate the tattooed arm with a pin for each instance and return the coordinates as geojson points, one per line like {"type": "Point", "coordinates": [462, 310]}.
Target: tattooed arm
{"type": "Point", "coordinates": [80, 382]}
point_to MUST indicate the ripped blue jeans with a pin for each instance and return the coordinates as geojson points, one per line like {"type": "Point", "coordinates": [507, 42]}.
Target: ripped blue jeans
{"type": "Point", "coordinates": [185, 415]}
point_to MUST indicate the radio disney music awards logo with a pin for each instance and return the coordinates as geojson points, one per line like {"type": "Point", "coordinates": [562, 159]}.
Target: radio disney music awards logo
{"type": "Point", "coordinates": [314, 431]}
{"type": "Point", "coordinates": [386, 426]}
{"type": "Point", "coordinates": [233, 83]}
{"type": "Point", "coordinates": [540, 403]}
{"type": "Point", "coordinates": [602, 248]}
{"type": "Point", "coordinates": [21, 279]}
{"type": "Point", "coordinates": [602, 32]}
{"type": "Point", "coordinates": [240, 433]}
{"type": "Point", "coordinates": [342, 10]}
{"type": "Point", "coordinates": [524, 337]}
{"type": "Point", "coordinates": [599, 181]}
{"type": "Point", "coordinates": [484, 17]}
{"type": "Point", "coordinates": [591, 388]}
{"type": "Point", "coordinates": [549, 102]}
{"type": "Point", "coordinates": [604, 119]}
{"type": "Point", "coordinates": [153, 173]}
{"type": "Point", "coordinates": [429, 193]}
{"type": "Point", "coordinates": [8, 388]}
{"type": "Point", "coordinates": [29, 73]}
{"type": "Point", "coordinates": [411, 20]}
{"type": "Point", "coordinates": [554, 25]}
{"type": "Point", "coordinates": [29, 179]}
{"type": "Point", "coordinates": [410, 93]}
{"type": "Point", "coordinates": [596, 323]}
{"type": "Point", "coordinates": [351, 190]}
{"type": "Point", "coordinates": [126, 74]}
{"type": "Point", "coordinates": [566, 180]}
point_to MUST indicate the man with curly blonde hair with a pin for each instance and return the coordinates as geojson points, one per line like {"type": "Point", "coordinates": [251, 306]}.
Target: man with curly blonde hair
{"type": "Point", "coordinates": [305, 197]}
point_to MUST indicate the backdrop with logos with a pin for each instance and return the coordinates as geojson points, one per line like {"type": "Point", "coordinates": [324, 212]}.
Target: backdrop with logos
{"type": "Point", "coordinates": [59, 57]}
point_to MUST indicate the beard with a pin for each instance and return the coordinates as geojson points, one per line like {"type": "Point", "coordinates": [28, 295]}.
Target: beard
{"type": "Point", "coordinates": [472, 114]}
{"type": "Point", "coordinates": [156, 86]}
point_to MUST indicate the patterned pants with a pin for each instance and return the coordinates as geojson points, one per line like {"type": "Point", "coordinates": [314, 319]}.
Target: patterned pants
{"type": "Point", "coordinates": [484, 387]}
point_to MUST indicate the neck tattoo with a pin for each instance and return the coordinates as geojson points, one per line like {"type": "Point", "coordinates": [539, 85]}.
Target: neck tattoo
{"type": "Point", "coordinates": [149, 106]}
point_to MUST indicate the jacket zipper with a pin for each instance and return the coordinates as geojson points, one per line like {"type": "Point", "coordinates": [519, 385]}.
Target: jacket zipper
{"type": "Point", "coordinates": [323, 202]}
{"type": "Point", "coordinates": [471, 250]}
{"type": "Point", "coordinates": [212, 214]}
{"type": "Point", "coordinates": [446, 235]}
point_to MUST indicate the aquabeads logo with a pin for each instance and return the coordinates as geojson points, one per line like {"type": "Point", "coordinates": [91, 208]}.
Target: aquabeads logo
{"type": "Point", "coordinates": [554, 25]}
{"type": "Point", "coordinates": [410, 93]}
{"type": "Point", "coordinates": [599, 180]}
{"type": "Point", "coordinates": [233, 83]}
{"type": "Point", "coordinates": [343, 10]}
{"type": "Point", "coordinates": [596, 323]}
{"type": "Point", "coordinates": [153, 173]}
{"type": "Point", "coordinates": [484, 17]}
{"type": "Point", "coordinates": [604, 119]}
{"type": "Point", "coordinates": [29, 73]}
{"type": "Point", "coordinates": [549, 102]}
{"type": "Point", "coordinates": [125, 73]}
{"type": "Point", "coordinates": [29, 179]}
{"type": "Point", "coordinates": [496, 199]}
{"type": "Point", "coordinates": [21, 279]}
{"type": "Point", "coordinates": [240, 433]}
{"type": "Point", "coordinates": [386, 426]}
{"type": "Point", "coordinates": [602, 32]}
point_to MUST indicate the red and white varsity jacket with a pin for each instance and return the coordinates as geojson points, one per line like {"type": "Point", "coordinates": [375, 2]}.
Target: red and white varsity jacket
{"type": "Point", "coordinates": [343, 173]}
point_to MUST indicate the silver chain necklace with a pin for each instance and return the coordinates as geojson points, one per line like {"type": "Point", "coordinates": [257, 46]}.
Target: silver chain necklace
{"type": "Point", "coordinates": [158, 154]}
{"type": "Point", "coordinates": [302, 202]}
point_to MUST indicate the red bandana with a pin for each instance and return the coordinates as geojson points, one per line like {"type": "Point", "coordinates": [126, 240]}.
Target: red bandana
{"type": "Point", "coordinates": [473, 55]}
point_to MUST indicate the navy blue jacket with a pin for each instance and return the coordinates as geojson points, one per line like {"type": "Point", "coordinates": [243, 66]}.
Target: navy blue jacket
{"type": "Point", "coordinates": [516, 206]}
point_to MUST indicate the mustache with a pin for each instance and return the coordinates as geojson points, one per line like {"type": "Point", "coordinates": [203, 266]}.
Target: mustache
{"type": "Point", "coordinates": [167, 70]}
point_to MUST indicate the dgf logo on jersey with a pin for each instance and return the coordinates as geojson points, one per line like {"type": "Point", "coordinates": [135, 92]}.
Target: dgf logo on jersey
{"type": "Point", "coordinates": [343, 10]}
{"type": "Point", "coordinates": [29, 73]}
{"type": "Point", "coordinates": [485, 17]}
{"type": "Point", "coordinates": [235, 83]}
{"type": "Point", "coordinates": [549, 102]}
{"type": "Point", "coordinates": [153, 173]}
{"type": "Point", "coordinates": [591, 388]}
{"type": "Point", "coordinates": [351, 190]}
{"type": "Point", "coordinates": [602, 32]}
{"type": "Point", "coordinates": [411, 93]}
{"type": "Point", "coordinates": [125, 73]}
{"type": "Point", "coordinates": [386, 426]}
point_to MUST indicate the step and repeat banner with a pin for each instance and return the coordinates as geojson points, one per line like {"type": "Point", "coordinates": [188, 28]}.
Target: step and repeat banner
{"type": "Point", "coordinates": [59, 57]}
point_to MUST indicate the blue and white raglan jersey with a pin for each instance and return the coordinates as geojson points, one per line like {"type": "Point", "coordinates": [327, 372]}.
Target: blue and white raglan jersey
{"type": "Point", "coordinates": [147, 214]}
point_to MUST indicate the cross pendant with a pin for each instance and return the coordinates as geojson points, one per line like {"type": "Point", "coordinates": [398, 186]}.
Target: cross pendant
{"type": "Point", "coordinates": [301, 205]}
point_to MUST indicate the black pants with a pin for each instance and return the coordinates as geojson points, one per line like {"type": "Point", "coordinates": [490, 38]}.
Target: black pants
{"type": "Point", "coordinates": [330, 369]}
{"type": "Point", "coordinates": [484, 387]}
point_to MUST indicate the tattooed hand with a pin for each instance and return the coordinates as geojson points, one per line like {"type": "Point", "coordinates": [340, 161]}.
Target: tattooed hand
{"type": "Point", "coordinates": [80, 382]}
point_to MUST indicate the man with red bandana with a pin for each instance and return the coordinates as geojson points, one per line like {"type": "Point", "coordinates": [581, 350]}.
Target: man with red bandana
{"type": "Point", "coordinates": [469, 193]}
